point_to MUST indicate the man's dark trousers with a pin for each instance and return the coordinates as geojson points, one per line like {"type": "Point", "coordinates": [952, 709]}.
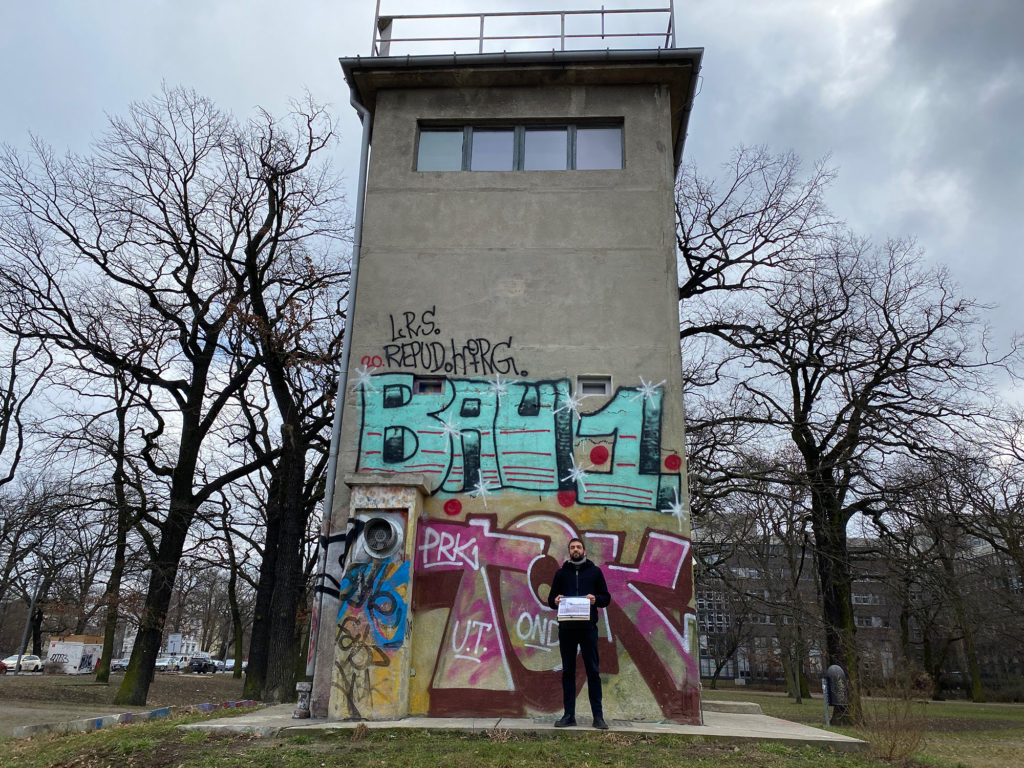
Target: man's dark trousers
{"type": "Point", "coordinates": [582, 635]}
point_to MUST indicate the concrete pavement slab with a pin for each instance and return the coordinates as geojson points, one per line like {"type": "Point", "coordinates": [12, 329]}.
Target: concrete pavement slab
{"type": "Point", "coordinates": [726, 726]}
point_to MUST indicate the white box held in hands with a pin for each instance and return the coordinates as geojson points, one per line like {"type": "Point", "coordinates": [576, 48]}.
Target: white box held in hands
{"type": "Point", "coordinates": [574, 609]}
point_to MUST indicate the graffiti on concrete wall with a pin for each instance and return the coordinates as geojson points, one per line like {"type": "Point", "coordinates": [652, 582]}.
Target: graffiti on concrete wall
{"type": "Point", "coordinates": [372, 620]}
{"type": "Point", "coordinates": [371, 600]}
{"type": "Point", "coordinates": [499, 651]}
{"type": "Point", "coordinates": [417, 342]}
{"type": "Point", "coordinates": [335, 547]}
{"type": "Point", "coordinates": [482, 435]}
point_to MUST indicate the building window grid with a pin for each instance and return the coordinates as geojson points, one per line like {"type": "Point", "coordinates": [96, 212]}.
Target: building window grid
{"type": "Point", "coordinates": [519, 142]}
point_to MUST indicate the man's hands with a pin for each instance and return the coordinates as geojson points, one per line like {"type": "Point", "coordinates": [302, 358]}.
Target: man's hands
{"type": "Point", "coordinates": [591, 598]}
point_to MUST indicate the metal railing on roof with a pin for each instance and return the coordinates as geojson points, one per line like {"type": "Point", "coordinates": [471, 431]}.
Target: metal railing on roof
{"type": "Point", "coordinates": [605, 25]}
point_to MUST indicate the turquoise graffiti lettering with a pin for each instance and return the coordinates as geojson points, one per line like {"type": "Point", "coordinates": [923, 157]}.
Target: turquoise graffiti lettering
{"type": "Point", "coordinates": [516, 435]}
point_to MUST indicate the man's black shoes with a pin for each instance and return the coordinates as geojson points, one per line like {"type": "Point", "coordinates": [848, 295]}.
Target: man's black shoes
{"type": "Point", "coordinates": [566, 721]}
{"type": "Point", "coordinates": [600, 723]}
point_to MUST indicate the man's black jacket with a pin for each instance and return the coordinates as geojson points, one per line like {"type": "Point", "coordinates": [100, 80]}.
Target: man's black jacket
{"type": "Point", "coordinates": [579, 581]}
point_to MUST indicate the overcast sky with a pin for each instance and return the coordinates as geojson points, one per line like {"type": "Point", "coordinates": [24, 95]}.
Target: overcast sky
{"type": "Point", "coordinates": [919, 102]}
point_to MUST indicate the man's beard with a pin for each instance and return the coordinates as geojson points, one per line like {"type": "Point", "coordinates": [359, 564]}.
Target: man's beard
{"type": "Point", "coordinates": [577, 558]}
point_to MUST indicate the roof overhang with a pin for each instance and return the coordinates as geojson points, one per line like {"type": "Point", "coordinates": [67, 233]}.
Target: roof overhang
{"type": "Point", "coordinates": [676, 68]}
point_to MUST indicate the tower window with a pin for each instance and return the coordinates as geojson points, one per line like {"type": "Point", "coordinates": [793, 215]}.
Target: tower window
{"type": "Point", "coordinates": [598, 148]}
{"type": "Point", "coordinates": [423, 385]}
{"type": "Point", "coordinates": [440, 150]}
{"type": "Point", "coordinates": [585, 147]}
{"type": "Point", "coordinates": [492, 150]}
{"type": "Point", "coordinates": [593, 385]}
{"type": "Point", "coordinates": [546, 149]}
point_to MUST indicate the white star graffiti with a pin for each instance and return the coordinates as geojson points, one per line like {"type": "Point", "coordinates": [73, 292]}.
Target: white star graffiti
{"type": "Point", "coordinates": [572, 404]}
{"type": "Point", "coordinates": [449, 429]}
{"type": "Point", "coordinates": [647, 389]}
{"type": "Point", "coordinates": [498, 386]}
{"type": "Point", "coordinates": [364, 380]}
{"type": "Point", "coordinates": [676, 509]}
{"type": "Point", "coordinates": [481, 489]}
{"type": "Point", "coordinates": [577, 474]}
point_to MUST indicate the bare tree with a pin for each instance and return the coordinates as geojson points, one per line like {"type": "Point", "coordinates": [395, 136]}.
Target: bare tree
{"type": "Point", "coordinates": [25, 367]}
{"type": "Point", "coordinates": [295, 304]}
{"type": "Point", "coordinates": [857, 355]}
{"type": "Point", "coordinates": [30, 518]}
{"type": "Point", "coordinates": [135, 258]}
{"type": "Point", "coordinates": [734, 236]}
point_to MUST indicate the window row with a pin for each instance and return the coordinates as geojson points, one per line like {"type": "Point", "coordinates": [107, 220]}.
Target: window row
{"type": "Point", "coordinates": [520, 148]}
{"type": "Point", "coordinates": [860, 599]}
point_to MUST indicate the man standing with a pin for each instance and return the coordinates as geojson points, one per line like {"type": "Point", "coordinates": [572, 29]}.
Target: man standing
{"type": "Point", "coordinates": [578, 577]}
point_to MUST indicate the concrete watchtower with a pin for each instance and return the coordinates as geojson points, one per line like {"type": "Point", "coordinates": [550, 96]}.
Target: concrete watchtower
{"type": "Point", "coordinates": [513, 379]}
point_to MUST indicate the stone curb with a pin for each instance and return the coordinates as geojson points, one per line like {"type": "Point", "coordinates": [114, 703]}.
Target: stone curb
{"type": "Point", "coordinates": [732, 707]}
{"type": "Point", "coordinates": [88, 724]}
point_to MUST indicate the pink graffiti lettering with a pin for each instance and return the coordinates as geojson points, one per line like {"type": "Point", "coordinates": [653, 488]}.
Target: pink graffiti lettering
{"type": "Point", "coordinates": [441, 547]}
{"type": "Point", "coordinates": [500, 633]}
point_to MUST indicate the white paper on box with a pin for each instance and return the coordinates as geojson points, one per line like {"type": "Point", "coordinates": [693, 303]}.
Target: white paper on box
{"type": "Point", "coordinates": [574, 609]}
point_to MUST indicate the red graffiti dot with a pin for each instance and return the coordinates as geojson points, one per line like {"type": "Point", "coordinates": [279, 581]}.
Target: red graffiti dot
{"type": "Point", "coordinates": [673, 462]}
{"type": "Point", "coordinates": [452, 507]}
{"type": "Point", "coordinates": [599, 454]}
{"type": "Point", "coordinates": [567, 498]}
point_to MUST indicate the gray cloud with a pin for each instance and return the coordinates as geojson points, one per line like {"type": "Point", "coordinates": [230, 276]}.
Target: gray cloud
{"type": "Point", "coordinates": [920, 102]}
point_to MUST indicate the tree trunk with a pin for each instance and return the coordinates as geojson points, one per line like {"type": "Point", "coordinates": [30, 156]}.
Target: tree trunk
{"type": "Point", "coordinates": [713, 685]}
{"type": "Point", "coordinates": [37, 628]}
{"type": "Point", "coordinates": [288, 582]}
{"type": "Point", "coordinates": [805, 689]}
{"type": "Point", "coordinates": [139, 675]}
{"type": "Point", "coordinates": [833, 564]}
{"type": "Point", "coordinates": [787, 674]}
{"type": "Point", "coordinates": [966, 629]}
{"type": "Point", "coordinates": [977, 692]}
{"type": "Point", "coordinates": [259, 642]}
{"type": "Point", "coordinates": [236, 613]}
{"type": "Point", "coordinates": [110, 599]}
{"type": "Point", "coordinates": [111, 595]}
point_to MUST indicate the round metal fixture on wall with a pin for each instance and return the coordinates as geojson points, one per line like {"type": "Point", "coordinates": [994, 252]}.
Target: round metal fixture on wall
{"type": "Point", "coordinates": [381, 537]}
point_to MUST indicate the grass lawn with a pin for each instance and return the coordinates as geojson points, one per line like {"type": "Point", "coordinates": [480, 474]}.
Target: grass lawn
{"type": "Point", "coordinates": [956, 732]}
{"type": "Point", "coordinates": [160, 745]}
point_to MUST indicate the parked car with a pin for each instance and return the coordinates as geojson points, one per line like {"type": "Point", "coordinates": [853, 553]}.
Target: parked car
{"type": "Point", "coordinates": [201, 662]}
{"type": "Point", "coordinates": [166, 664]}
{"type": "Point", "coordinates": [29, 663]}
{"type": "Point", "coordinates": [218, 665]}
{"type": "Point", "coordinates": [119, 665]}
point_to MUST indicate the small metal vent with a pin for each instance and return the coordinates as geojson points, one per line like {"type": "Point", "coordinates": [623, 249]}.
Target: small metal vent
{"type": "Point", "coordinates": [380, 536]}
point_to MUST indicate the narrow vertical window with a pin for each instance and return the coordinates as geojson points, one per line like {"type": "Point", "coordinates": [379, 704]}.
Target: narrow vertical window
{"type": "Point", "coordinates": [440, 149]}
